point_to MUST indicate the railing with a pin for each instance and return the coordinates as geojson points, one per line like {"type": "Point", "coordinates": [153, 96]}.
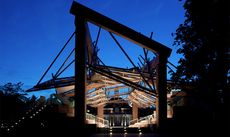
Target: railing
{"type": "Point", "coordinates": [102, 121]}
{"type": "Point", "coordinates": [132, 122]}
{"type": "Point", "coordinates": [90, 116]}
{"type": "Point", "coordinates": [148, 119]}
{"type": "Point", "coordinates": [97, 120]}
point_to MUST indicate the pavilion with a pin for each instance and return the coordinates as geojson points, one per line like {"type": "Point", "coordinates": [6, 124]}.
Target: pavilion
{"type": "Point", "coordinates": [111, 90]}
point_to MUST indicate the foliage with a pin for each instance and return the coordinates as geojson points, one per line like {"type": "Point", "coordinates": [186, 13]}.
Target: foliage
{"type": "Point", "coordinates": [13, 101]}
{"type": "Point", "coordinates": [12, 89]}
{"type": "Point", "coordinates": [203, 40]}
{"type": "Point", "coordinates": [55, 99]}
{"type": "Point", "coordinates": [32, 101]}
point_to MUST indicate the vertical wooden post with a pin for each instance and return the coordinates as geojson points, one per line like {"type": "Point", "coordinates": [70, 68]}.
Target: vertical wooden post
{"type": "Point", "coordinates": [135, 111]}
{"type": "Point", "coordinates": [80, 71]}
{"type": "Point", "coordinates": [100, 111]}
{"type": "Point", "coordinates": [161, 89]}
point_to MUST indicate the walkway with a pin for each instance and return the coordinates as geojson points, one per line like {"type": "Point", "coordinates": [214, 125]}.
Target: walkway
{"type": "Point", "coordinates": [131, 135]}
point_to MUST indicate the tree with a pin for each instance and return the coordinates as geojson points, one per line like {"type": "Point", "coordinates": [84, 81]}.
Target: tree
{"type": "Point", "coordinates": [203, 40]}
{"type": "Point", "coordinates": [32, 101]}
{"type": "Point", "coordinates": [12, 100]}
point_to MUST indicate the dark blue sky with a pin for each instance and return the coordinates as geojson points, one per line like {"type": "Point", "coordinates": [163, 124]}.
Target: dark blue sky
{"type": "Point", "coordinates": [33, 32]}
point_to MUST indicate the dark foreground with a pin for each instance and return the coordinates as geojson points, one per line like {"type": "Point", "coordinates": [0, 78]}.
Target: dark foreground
{"type": "Point", "coordinates": [53, 124]}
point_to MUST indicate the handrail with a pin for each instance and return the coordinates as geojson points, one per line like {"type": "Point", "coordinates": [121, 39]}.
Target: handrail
{"type": "Point", "coordinates": [90, 117]}
{"type": "Point", "coordinates": [97, 120]}
{"type": "Point", "coordinates": [102, 121]}
{"type": "Point", "coordinates": [148, 118]}
{"type": "Point", "coordinates": [131, 122]}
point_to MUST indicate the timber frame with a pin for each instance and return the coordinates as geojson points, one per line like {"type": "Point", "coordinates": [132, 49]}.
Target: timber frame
{"type": "Point", "coordinates": [82, 16]}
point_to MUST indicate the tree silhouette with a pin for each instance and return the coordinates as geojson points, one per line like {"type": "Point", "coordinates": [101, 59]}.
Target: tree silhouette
{"type": "Point", "coordinates": [203, 40]}
{"type": "Point", "coordinates": [12, 101]}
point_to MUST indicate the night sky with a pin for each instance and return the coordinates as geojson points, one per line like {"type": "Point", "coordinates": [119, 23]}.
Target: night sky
{"type": "Point", "coordinates": [33, 32]}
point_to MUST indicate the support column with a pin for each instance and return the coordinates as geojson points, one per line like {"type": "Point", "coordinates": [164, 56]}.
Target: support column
{"type": "Point", "coordinates": [154, 113]}
{"type": "Point", "coordinates": [80, 71]}
{"type": "Point", "coordinates": [100, 111]}
{"type": "Point", "coordinates": [135, 111]}
{"type": "Point", "coordinates": [161, 101]}
{"type": "Point", "coordinates": [169, 111]}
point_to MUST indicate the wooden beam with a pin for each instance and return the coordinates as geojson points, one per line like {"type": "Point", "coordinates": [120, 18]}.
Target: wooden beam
{"type": "Point", "coordinates": [135, 111]}
{"type": "Point", "coordinates": [80, 71]}
{"type": "Point", "coordinates": [119, 29]}
{"type": "Point", "coordinates": [90, 49]}
{"type": "Point", "coordinates": [161, 101]}
{"type": "Point", "coordinates": [100, 111]}
{"type": "Point", "coordinates": [147, 97]}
